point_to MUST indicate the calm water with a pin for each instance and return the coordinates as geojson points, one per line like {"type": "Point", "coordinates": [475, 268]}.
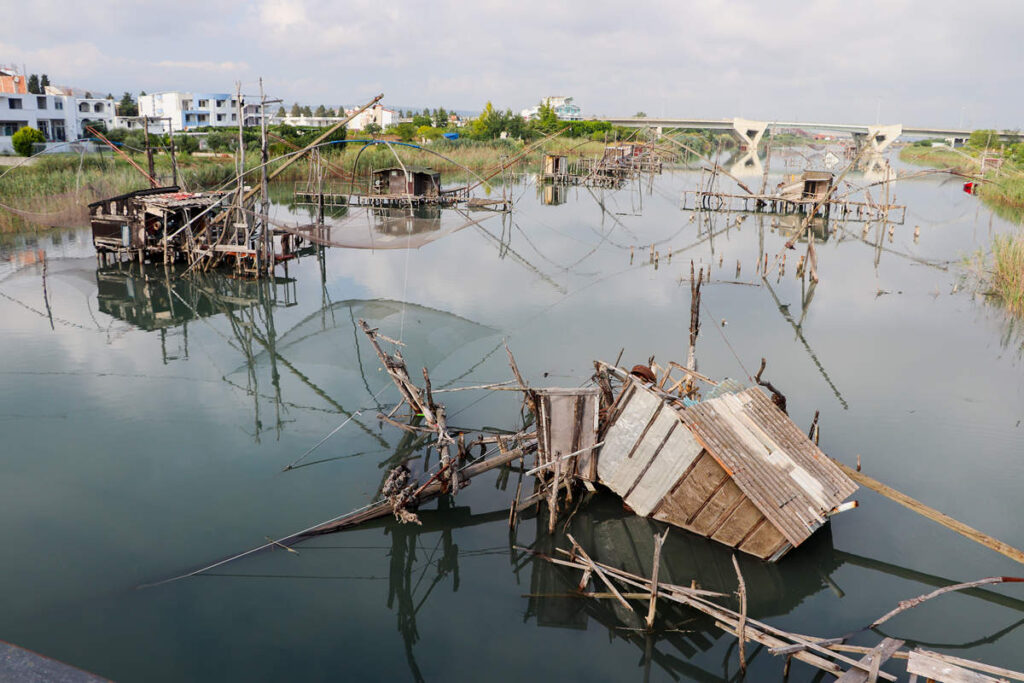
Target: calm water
{"type": "Point", "coordinates": [147, 421]}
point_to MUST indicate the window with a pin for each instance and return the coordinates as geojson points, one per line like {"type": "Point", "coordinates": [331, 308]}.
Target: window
{"type": "Point", "coordinates": [57, 130]}
{"type": "Point", "coordinates": [58, 104]}
{"type": "Point", "coordinates": [40, 103]}
{"type": "Point", "coordinates": [14, 103]}
{"type": "Point", "coordinates": [44, 128]}
{"type": "Point", "coordinates": [98, 108]}
{"type": "Point", "coordinates": [84, 106]}
{"type": "Point", "coordinates": [186, 104]}
{"type": "Point", "coordinates": [220, 117]}
{"type": "Point", "coordinates": [203, 104]}
{"type": "Point", "coordinates": [234, 103]}
{"type": "Point", "coordinates": [9, 128]}
{"type": "Point", "coordinates": [234, 117]}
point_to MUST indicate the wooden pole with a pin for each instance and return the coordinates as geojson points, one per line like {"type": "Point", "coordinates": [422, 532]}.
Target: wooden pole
{"type": "Point", "coordinates": [268, 256]}
{"type": "Point", "coordinates": [931, 513]}
{"type": "Point", "coordinates": [149, 151]}
{"type": "Point", "coordinates": [659, 540]}
{"type": "Point", "coordinates": [174, 158]}
{"type": "Point", "coordinates": [741, 628]}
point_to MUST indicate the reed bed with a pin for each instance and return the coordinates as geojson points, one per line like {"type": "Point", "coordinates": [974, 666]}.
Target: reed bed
{"type": "Point", "coordinates": [1008, 271]}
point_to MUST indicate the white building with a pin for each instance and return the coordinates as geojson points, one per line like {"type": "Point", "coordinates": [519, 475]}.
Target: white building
{"type": "Point", "coordinates": [564, 108]}
{"type": "Point", "coordinates": [187, 111]}
{"type": "Point", "coordinates": [375, 114]}
{"type": "Point", "coordinates": [60, 118]}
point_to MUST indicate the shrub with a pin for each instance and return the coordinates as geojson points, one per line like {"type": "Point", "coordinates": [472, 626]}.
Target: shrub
{"type": "Point", "coordinates": [24, 138]}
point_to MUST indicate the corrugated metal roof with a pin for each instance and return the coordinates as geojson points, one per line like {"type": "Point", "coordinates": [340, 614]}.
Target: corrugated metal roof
{"type": "Point", "coordinates": [773, 462]}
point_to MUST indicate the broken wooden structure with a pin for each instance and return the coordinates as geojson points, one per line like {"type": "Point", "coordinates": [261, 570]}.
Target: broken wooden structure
{"type": "Point", "coordinates": [732, 467]}
{"type": "Point", "coordinates": [637, 594]}
{"type": "Point", "coordinates": [166, 225]}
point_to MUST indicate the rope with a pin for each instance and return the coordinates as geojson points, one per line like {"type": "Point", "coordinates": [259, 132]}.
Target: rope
{"type": "Point", "coordinates": [726, 340]}
{"type": "Point", "coordinates": [333, 432]}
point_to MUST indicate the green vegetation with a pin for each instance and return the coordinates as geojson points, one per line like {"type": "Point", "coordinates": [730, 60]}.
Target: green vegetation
{"type": "Point", "coordinates": [24, 138]}
{"type": "Point", "coordinates": [1008, 272]}
{"type": "Point", "coordinates": [1002, 184]}
{"type": "Point", "coordinates": [127, 106]}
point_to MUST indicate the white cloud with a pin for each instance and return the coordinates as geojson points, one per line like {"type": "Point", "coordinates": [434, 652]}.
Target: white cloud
{"type": "Point", "coordinates": [232, 67]}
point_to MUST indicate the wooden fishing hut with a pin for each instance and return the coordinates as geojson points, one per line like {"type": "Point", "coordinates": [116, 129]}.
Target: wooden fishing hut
{"type": "Point", "coordinates": [811, 186]}
{"type": "Point", "coordinates": [166, 224]}
{"type": "Point", "coordinates": [555, 168]}
{"type": "Point", "coordinates": [417, 181]}
{"type": "Point", "coordinates": [732, 467]}
{"type": "Point", "coordinates": [133, 223]}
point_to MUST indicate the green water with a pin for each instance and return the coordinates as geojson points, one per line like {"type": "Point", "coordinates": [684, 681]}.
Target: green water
{"type": "Point", "coordinates": [148, 418]}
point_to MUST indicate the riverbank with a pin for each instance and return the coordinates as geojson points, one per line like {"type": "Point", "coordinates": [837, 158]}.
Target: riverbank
{"type": "Point", "coordinates": [54, 190]}
{"type": "Point", "coordinates": [1002, 189]}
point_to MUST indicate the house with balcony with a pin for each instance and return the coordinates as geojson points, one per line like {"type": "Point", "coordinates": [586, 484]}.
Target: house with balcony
{"type": "Point", "coordinates": [188, 111]}
{"type": "Point", "coordinates": [565, 109]}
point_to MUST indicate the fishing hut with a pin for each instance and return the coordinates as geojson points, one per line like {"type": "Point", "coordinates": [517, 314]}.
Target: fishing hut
{"type": "Point", "coordinates": [555, 168]}
{"type": "Point", "coordinates": [731, 467]}
{"type": "Point", "coordinates": [810, 186]}
{"type": "Point", "coordinates": [811, 192]}
{"type": "Point", "coordinates": [417, 182]}
{"type": "Point", "coordinates": [167, 225]}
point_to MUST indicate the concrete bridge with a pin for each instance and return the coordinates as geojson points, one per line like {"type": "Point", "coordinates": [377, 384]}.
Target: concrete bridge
{"type": "Point", "coordinates": [748, 133]}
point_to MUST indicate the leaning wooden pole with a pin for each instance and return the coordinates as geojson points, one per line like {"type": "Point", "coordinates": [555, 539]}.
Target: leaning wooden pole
{"type": "Point", "coordinates": [931, 513]}
{"type": "Point", "coordinates": [308, 148]}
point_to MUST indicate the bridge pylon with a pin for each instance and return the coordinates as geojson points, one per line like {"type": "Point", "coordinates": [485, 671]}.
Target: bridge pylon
{"type": "Point", "coordinates": [878, 137]}
{"type": "Point", "coordinates": [748, 133]}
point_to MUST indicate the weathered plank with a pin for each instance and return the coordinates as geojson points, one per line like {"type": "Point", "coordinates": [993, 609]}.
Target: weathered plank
{"type": "Point", "coordinates": [922, 664]}
{"type": "Point", "coordinates": [875, 659]}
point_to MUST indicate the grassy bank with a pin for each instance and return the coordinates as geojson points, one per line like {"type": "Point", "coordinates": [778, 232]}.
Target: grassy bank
{"type": "Point", "coordinates": [1008, 272]}
{"type": "Point", "coordinates": [1001, 189]}
{"type": "Point", "coordinates": [939, 157]}
{"type": "Point", "coordinates": [55, 189]}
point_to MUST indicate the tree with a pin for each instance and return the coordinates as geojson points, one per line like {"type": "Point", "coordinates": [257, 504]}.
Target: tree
{"type": "Point", "coordinates": [547, 120]}
{"type": "Point", "coordinates": [24, 138]}
{"type": "Point", "coordinates": [109, 96]}
{"type": "Point", "coordinates": [983, 139]}
{"type": "Point", "coordinates": [296, 111]}
{"type": "Point", "coordinates": [186, 144]}
{"type": "Point", "coordinates": [280, 112]}
{"type": "Point", "coordinates": [640, 115]}
{"type": "Point", "coordinates": [320, 111]}
{"type": "Point", "coordinates": [372, 128]}
{"type": "Point", "coordinates": [306, 111]}
{"type": "Point", "coordinates": [405, 131]}
{"type": "Point", "coordinates": [88, 95]}
{"type": "Point", "coordinates": [44, 81]}
{"type": "Point", "coordinates": [127, 106]}
{"type": "Point", "coordinates": [422, 120]}
{"type": "Point", "coordinates": [141, 93]}
{"type": "Point", "coordinates": [33, 84]}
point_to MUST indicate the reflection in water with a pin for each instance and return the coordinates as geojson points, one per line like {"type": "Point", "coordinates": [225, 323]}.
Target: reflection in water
{"type": "Point", "coordinates": [615, 537]}
{"type": "Point", "coordinates": [552, 194]}
{"type": "Point", "coordinates": [154, 298]}
{"type": "Point", "coordinates": [406, 220]}
{"type": "Point", "coordinates": [746, 164]}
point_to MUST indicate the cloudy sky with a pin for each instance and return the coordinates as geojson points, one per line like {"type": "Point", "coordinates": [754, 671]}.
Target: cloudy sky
{"type": "Point", "coordinates": [933, 62]}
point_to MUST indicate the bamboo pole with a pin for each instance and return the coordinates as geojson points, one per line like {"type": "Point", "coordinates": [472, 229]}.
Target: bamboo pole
{"type": "Point", "coordinates": [931, 513]}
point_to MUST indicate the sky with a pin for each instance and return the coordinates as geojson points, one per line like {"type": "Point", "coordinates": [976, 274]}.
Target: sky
{"type": "Point", "coordinates": [920, 63]}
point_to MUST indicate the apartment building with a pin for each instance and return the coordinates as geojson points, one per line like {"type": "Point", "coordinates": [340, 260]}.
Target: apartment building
{"type": "Point", "coordinates": [188, 110]}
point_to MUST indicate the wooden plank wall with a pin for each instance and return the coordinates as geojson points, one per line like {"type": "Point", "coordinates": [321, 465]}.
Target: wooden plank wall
{"type": "Point", "coordinates": [569, 420]}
